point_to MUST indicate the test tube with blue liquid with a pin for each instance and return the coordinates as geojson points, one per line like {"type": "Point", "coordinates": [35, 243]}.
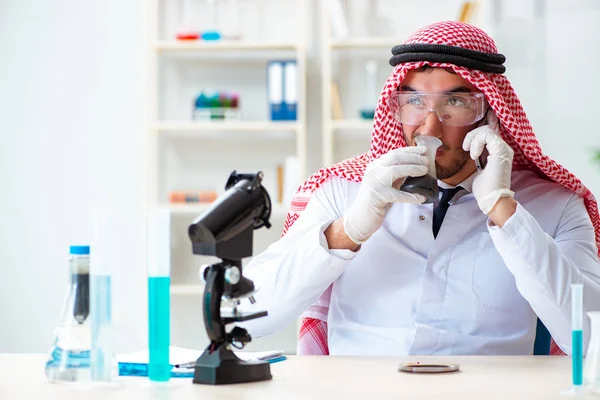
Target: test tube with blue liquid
{"type": "Point", "coordinates": [105, 242]}
{"type": "Point", "coordinates": [577, 327]}
{"type": "Point", "coordinates": [159, 282]}
{"type": "Point", "coordinates": [576, 341]}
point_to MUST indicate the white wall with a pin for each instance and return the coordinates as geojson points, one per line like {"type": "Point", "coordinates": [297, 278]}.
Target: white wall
{"type": "Point", "coordinates": [72, 81]}
{"type": "Point", "coordinates": [552, 53]}
{"type": "Point", "coordinates": [573, 121]}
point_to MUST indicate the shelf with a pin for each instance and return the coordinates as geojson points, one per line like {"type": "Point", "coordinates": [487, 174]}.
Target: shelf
{"type": "Point", "coordinates": [366, 43]}
{"type": "Point", "coordinates": [186, 290]}
{"type": "Point", "coordinates": [222, 45]}
{"type": "Point", "coordinates": [278, 211]}
{"type": "Point", "coordinates": [353, 124]}
{"type": "Point", "coordinates": [233, 126]}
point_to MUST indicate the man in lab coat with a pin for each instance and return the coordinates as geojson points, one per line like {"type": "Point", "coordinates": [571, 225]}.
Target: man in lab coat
{"type": "Point", "coordinates": [375, 271]}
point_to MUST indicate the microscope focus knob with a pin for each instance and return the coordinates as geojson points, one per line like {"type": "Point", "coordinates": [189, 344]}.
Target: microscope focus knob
{"type": "Point", "coordinates": [203, 271]}
{"type": "Point", "coordinates": [232, 275]}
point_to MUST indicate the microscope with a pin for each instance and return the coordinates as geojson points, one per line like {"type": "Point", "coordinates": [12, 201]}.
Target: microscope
{"type": "Point", "coordinates": [225, 230]}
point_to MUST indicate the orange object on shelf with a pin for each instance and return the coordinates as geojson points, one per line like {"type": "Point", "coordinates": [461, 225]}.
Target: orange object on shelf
{"type": "Point", "coordinates": [467, 11]}
{"type": "Point", "coordinates": [192, 197]}
{"type": "Point", "coordinates": [280, 177]}
{"type": "Point", "coordinates": [188, 36]}
{"type": "Point", "coordinates": [176, 197]}
{"type": "Point", "coordinates": [207, 197]}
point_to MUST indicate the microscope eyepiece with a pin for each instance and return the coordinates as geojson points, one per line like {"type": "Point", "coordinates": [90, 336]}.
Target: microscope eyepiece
{"type": "Point", "coordinates": [244, 206]}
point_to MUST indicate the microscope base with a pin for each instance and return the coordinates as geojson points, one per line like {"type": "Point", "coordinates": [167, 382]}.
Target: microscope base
{"type": "Point", "coordinates": [223, 367]}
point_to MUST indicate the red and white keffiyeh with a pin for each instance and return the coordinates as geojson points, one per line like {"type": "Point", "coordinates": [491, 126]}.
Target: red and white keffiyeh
{"type": "Point", "coordinates": [387, 135]}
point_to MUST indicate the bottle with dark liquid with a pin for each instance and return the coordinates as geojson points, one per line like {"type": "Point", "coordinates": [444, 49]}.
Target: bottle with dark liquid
{"type": "Point", "coordinates": [69, 357]}
{"type": "Point", "coordinates": [425, 185]}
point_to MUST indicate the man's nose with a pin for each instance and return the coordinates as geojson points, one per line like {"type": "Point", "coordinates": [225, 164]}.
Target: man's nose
{"type": "Point", "coordinates": [432, 125]}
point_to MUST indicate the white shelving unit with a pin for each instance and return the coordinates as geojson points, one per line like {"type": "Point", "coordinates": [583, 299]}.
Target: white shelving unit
{"type": "Point", "coordinates": [243, 131]}
{"type": "Point", "coordinates": [224, 45]}
{"type": "Point", "coordinates": [342, 138]}
{"type": "Point", "coordinates": [252, 126]}
{"type": "Point", "coordinates": [258, 130]}
{"type": "Point", "coordinates": [205, 153]}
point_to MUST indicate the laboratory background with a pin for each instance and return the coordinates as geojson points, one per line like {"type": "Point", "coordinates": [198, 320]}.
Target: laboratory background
{"type": "Point", "coordinates": [130, 105]}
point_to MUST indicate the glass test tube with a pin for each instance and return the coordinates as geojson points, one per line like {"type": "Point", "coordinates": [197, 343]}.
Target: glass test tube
{"type": "Point", "coordinates": [577, 332]}
{"type": "Point", "coordinates": [159, 282]}
{"type": "Point", "coordinates": [103, 255]}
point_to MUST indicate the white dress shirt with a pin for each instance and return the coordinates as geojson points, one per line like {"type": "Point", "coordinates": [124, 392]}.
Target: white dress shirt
{"type": "Point", "coordinates": [475, 289]}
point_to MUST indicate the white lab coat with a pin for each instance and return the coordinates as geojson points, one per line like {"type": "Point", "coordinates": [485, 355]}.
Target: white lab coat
{"type": "Point", "coordinates": [476, 289]}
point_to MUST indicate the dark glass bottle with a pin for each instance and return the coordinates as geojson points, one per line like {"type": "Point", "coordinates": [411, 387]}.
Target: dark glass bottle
{"type": "Point", "coordinates": [425, 185]}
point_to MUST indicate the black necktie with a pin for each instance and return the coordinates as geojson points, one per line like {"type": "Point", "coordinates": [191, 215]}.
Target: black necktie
{"type": "Point", "coordinates": [440, 211]}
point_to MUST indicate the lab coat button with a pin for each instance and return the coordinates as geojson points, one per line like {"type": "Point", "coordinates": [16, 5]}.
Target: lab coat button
{"type": "Point", "coordinates": [421, 217]}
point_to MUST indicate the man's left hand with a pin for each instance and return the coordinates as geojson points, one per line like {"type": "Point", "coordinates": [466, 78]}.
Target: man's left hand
{"type": "Point", "coordinates": [493, 182]}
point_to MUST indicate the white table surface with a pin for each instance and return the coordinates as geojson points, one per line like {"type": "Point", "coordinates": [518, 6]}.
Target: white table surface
{"type": "Point", "coordinates": [335, 378]}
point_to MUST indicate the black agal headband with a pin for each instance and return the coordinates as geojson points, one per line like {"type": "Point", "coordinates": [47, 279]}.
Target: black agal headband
{"type": "Point", "coordinates": [440, 53]}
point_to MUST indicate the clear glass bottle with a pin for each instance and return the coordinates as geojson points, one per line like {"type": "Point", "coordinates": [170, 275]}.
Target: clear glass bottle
{"type": "Point", "coordinates": [425, 185]}
{"type": "Point", "coordinates": [591, 372]}
{"type": "Point", "coordinates": [108, 244]}
{"type": "Point", "coordinates": [69, 356]}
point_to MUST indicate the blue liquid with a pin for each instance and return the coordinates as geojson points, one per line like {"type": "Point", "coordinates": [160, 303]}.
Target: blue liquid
{"type": "Point", "coordinates": [102, 351]}
{"type": "Point", "coordinates": [159, 368]}
{"type": "Point", "coordinates": [577, 357]}
{"type": "Point", "coordinates": [68, 365]}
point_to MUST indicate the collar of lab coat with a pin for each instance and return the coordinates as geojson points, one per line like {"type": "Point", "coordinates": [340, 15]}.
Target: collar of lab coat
{"type": "Point", "coordinates": [467, 184]}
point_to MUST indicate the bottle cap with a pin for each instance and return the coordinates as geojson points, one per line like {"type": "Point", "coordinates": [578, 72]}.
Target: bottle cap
{"type": "Point", "coordinates": [79, 250]}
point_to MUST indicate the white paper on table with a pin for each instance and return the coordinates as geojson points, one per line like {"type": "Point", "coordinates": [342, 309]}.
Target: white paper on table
{"type": "Point", "coordinates": [179, 355]}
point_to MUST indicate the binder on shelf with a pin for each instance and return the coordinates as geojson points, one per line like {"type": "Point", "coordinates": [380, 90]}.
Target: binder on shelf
{"type": "Point", "coordinates": [275, 89]}
{"type": "Point", "coordinates": [282, 89]}
{"type": "Point", "coordinates": [290, 90]}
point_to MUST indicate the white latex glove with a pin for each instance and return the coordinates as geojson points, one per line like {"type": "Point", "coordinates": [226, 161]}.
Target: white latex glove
{"type": "Point", "coordinates": [493, 181]}
{"type": "Point", "coordinates": [379, 189]}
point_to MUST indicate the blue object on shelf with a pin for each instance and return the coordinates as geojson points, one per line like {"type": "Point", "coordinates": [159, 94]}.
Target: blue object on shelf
{"type": "Point", "coordinates": [210, 35]}
{"type": "Point", "coordinates": [201, 101]}
{"type": "Point", "coordinates": [275, 90]}
{"type": "Point", "coordinates": [290, 90]}
{"type": "Point", "coordinates": [367, 113]}
{"type": "Point", "coordinates": [282, 90]}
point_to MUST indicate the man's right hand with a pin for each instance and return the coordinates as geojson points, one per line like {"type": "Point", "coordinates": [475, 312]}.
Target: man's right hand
{"type": "Point", "coordinates": [379, 189]}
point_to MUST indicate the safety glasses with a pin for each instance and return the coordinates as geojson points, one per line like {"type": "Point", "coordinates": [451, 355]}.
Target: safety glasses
{"type": "Point", "coordinates": [452, 109]}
